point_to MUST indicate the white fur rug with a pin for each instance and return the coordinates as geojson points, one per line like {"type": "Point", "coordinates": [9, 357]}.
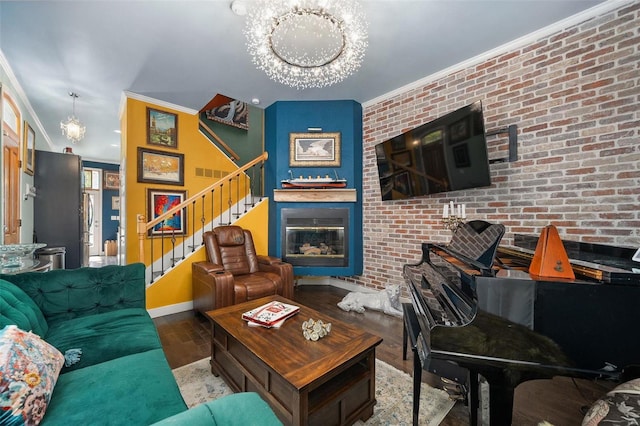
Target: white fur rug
{"type": "Point", "coordinates": [394, 393]}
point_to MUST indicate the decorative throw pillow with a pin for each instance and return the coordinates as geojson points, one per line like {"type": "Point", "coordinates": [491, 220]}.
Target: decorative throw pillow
{"type": "Point", "coordinates": [17, 308]}
{"type": "Point", "coordinates": [29, 369]}
{"type": "Point", "coordinates": [619, 406]}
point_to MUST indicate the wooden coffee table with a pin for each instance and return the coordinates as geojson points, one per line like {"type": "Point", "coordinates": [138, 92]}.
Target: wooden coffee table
{"type": "Point", "coordinates": [327, 382]}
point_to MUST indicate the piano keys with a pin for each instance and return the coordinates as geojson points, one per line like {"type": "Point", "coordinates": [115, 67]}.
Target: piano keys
{"type": "Point", "coordinates": [501, 323]}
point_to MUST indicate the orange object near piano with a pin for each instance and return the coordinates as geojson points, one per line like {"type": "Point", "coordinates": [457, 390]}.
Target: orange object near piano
{"type": "Point", "coordinates": [550, 259]}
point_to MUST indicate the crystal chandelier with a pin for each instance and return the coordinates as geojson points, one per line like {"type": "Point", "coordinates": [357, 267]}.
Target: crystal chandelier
{"type": "Point", "coordinates": [73, 128]}
{"type": "Point", "coordinates": [307, 43]}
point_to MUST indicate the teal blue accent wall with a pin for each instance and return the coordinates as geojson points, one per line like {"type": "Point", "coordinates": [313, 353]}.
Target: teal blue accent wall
{"type": "Point", "coordinates": [345, 117]}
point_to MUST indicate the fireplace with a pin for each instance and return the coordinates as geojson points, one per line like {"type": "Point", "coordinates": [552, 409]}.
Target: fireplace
{"type": "Point", "coordinates": [315, 237]}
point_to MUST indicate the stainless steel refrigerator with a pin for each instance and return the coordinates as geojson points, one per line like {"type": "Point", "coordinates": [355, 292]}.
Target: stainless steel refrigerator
{"type": "Point", "coordinates": [61, 218]}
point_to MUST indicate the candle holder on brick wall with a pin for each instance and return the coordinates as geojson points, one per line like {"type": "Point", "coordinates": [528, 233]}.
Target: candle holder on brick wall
{"type": "Point", "coordinates": [452, 222]}
{"type": "Point", "coordinates": [453, 216]}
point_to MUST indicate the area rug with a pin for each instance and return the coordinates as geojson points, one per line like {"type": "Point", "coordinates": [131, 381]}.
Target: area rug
{"type": "Point", "coordinates": [394, 394]}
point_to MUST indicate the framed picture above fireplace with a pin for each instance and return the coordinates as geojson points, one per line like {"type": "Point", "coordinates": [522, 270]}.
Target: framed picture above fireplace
{"type": "Point", "coordinates": [314, 149]}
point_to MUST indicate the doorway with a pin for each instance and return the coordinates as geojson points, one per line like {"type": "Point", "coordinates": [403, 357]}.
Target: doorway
{"type": "Point", "coordinates": [95, 226]}
{"type": "Point", "coordinates": [93, 209]}
{"type": "Point", "coordinates": [11, 171]}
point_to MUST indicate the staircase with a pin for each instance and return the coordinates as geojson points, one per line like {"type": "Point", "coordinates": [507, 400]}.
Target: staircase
{"type": "Point", "coordinates": [162, 247]}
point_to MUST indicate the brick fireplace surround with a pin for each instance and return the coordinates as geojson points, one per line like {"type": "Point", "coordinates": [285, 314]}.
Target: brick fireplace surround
{"type": "Point", "coordinates": [574, 95]}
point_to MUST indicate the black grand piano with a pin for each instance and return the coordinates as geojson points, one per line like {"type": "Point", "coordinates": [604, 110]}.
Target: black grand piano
{"type": "Point", "coordinates": [477, 311]}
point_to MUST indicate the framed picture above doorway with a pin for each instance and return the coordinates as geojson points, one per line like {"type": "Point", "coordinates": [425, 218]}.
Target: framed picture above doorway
{"type": "Point", "coordinates": [111, 180]}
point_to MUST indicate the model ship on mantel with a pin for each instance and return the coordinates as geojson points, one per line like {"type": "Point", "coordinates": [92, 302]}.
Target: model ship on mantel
{"type": "Point", "coordinates": [313, 183]}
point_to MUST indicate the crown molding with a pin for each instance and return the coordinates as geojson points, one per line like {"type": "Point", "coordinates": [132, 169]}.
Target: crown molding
{"type": "Point", "coordinates": [530, 38]}
{"type": "Point", "coordinates": [20, 93]}
{"type": "Point", "coordinates": [99, 160]}
{"type": "Point", "coordinates": [142, 98]}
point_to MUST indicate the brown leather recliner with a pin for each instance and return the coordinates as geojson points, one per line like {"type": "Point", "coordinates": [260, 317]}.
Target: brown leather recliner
{"type": "Point", "coordinates": [234, 273]}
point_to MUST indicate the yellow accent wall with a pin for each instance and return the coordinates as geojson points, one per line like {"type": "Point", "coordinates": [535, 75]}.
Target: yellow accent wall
{"type": "Point", "coordinates": [176, 286]}
{"type": "Point", "coordinates": [257, 221]}
{"type": "Point", "coordinates": [199, 152]}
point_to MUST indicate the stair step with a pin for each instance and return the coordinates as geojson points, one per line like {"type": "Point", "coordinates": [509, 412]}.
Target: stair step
{"type": "Point", "coordinates": [191, 246]}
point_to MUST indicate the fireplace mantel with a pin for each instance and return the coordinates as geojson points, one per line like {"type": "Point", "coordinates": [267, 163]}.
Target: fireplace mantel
{"type": "Point", "coordinates": [330, 195]}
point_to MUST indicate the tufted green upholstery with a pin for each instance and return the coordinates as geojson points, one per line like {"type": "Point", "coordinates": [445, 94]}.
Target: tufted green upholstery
{"type": "Point", "coordinates": [65, 294]}
{"type": "Point", "coordinates": [135, 390]}
{"type": "Point", "coordinates": [122, 376]}
{"type": "Point", "coordinates": [106, 336]}
{"type": "Point", "coordinates": [238, 409]}
{"type": "Point", "coordinates": [16, 307]}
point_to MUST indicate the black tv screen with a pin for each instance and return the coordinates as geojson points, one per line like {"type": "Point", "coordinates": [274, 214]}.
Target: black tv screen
{"type": "Point", "coordinates": [446, 154]}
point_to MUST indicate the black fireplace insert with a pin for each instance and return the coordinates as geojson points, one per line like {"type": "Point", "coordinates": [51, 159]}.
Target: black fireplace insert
{"type": "Point", "coordinates": [315, 237]}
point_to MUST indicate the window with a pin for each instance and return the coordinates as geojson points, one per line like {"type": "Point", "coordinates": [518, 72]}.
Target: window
{"type": "Point", "coordinates": [91, 178]}
{"type": "Point", "coordinates": [10, 115]}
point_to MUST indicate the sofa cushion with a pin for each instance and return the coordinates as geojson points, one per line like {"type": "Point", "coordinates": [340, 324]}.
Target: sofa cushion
{"type": "Point", "coordinates": [137, 389]}
{"type": "Point", "coordinates": [238, 409]}
{"type": "Point", "coordinates": [71, 293]}
{"type": "Point", "coordinates": [29, 368]}
{"type": "Point", "coordinates": [105, 336]}
{"type": "Point", "coordinates": [619, 406]}
{"type": "Point", "coordinates": [17, 308]}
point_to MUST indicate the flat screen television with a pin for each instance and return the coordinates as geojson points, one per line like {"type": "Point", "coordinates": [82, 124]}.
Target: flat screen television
{"type": "Point", "coordinates": [446, 154]}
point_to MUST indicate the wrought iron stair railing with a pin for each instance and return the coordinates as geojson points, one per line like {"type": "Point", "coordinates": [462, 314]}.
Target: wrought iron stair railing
{"type": "Point", "coordinates": [161, 249]}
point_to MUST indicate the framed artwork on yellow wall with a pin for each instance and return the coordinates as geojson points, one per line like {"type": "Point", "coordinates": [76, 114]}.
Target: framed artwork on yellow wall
{"type": "Point", "coordinates": [162, 128]}
{"type": "Point", "coordinates": [160, 201]}
{"type": "Point", "coordinates": [160, 167]}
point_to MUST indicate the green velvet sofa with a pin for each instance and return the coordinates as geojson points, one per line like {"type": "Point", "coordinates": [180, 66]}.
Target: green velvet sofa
{"type": "Point", "coordinates": [121, 375]}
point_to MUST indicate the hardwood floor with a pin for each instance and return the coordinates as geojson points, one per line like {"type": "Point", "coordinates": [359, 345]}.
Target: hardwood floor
{"type": "Point", "coordinates": [186, 338]}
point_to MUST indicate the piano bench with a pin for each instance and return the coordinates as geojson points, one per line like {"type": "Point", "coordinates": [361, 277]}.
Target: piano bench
{"type": "Point", "coordinates": [617, 406]}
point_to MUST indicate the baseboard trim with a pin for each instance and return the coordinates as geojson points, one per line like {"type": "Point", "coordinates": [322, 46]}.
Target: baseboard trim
{"type": "Point", "coordinates": [341, 284]}
{"type": "Point", "coordinates": [307, 280]}
{"type": "Point", "coordinates": [170, 309]}
{"type": "Point", "coordinates": [314, 280]}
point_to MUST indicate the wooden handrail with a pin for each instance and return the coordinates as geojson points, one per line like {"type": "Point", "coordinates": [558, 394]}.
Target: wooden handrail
{"type": "Point", "coordinates": [143, 226]}
{"type": "Point", "coordinates": [226, 147]}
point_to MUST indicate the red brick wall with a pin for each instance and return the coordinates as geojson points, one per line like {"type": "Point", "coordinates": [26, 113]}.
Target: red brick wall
{"type": "Point", "coordinates": [574, 96]}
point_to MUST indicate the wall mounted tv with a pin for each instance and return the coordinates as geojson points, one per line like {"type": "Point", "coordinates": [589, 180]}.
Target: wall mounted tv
{"type": "Point", "coordinates": [446, 154]}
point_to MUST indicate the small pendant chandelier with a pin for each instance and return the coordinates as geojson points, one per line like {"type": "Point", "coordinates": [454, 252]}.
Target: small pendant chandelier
{"type": "Point", "coordinates": [73, 129]}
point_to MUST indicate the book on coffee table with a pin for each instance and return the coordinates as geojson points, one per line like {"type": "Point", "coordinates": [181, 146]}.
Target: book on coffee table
{"type": "Point", "coordinates": [270, 314]}
{"type": "Point", "coordinates": [276, 324]}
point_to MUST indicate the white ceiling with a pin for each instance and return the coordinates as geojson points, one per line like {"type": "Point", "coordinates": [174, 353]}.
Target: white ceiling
{"type": "Point", "coordinates": [186, 52]}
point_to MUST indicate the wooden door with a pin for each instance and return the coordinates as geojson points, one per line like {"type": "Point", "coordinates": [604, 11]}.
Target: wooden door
{"type": "Point", "coordinates": [11, 171]}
